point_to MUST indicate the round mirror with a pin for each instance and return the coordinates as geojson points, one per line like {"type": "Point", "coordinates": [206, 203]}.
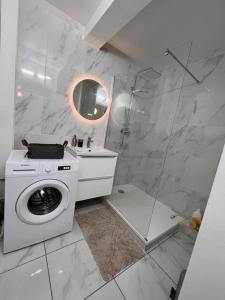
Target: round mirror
{"type": "Point", "coordinates": [90, 99]}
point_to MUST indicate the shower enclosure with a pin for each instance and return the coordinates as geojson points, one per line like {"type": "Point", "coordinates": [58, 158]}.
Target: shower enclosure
{"type": "Point", "coordinates": [145, 127]}
{"type": "Point", "coordinates": [142, 146]}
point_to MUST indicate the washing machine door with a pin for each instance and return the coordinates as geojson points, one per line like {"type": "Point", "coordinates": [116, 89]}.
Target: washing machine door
{"type": "Point", "coordinates": [42, 201]}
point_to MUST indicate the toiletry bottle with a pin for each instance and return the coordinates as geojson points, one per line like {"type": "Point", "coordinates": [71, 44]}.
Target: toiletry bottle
{"type": "Point", "coordinates": [74, 141]}
{"type": "Point", "coordinates": [80, 143]}
{"type": "Point", "coordinates": [196, 219]}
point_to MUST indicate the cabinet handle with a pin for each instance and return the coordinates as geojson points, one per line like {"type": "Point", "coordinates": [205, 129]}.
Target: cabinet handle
{"type": "Point", "coordinates": [95, 178]}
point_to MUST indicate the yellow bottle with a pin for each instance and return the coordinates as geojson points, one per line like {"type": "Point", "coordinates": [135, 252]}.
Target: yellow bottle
{"type": "Point", "coordinates": [196, 219]}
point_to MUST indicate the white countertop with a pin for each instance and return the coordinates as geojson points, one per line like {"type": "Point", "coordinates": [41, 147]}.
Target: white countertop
{"type": "Point", "coordinates": [92, 151]}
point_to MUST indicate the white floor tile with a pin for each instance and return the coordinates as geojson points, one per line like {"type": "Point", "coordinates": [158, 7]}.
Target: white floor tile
{"type": "Point", "coordinates": [26, 282]}
{"type": "Point", "coordinates": [64, 239]}
{"type": "Point", "coordinates": [145, 281]}
{"type": "Point", "coordinates": [73, 272]}
{"type": "Point", "coordinates": [110, 291]}
{"type": "Point", "coordinates": [13, 259]}
{"type": "Point", "coordinates": [185, 241]}
{"type": "Point", "coordinates": [171, 257]}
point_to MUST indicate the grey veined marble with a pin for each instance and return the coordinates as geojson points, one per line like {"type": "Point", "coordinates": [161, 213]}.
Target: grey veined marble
{"type": "Point", "coordinates": [177, 133]}
{"type": "Point", "coordinates": [196, 142]}
{"type": "Point", "coordinates": [73, 272]}
{"type": "Point", "coordinates": [14, 259]}
{"type": "Point", "coordinates": [29, 281]}
{"type": "Point", "coordinates": [51, 54]}
{"type": "Point", "coordinates": [172, 258]}
{"type": "Point", "coordinates": [177, 129]}
{"type": "Point", "coordinates": [145, 280]}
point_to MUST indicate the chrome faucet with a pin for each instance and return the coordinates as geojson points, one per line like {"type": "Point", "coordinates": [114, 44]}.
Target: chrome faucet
{"type": "Point", "coordinates": [89, 141]}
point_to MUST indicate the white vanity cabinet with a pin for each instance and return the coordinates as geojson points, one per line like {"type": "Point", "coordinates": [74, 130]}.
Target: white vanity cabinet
{"type": "Point", "coordinates": [96, 172]}
{"type": "Point", "coordinates": [96, 176]}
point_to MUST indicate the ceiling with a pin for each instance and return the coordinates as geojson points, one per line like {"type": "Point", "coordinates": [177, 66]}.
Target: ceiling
{"type": "Point", "coordinates": [161, 24]}
{"type": "Point", "coordinates": [169, 24]}
{"type": "Point", "coordinates": [80, 10]}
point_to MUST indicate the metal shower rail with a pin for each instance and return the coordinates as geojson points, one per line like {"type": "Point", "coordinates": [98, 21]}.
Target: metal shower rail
{"type": "Point", "coordinates": [168, 51]}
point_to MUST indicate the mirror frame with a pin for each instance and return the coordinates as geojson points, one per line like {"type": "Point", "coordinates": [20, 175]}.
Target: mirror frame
{"type": "Point", "coordinates": [73, 85]}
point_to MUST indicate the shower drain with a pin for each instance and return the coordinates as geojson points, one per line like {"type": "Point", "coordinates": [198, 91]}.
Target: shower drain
{"type": "Point", "coordinates": [121, 191]}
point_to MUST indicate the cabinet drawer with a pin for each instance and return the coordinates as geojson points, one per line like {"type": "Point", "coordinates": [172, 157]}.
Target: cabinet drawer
{"type": "Point", "coordinates": [96, 167]}
{"type": "Point", "coordinates": [88, 189]}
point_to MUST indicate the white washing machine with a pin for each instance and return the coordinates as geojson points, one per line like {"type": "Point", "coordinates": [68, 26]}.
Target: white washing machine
{"type": "Point", "coordinates": [40, 198]}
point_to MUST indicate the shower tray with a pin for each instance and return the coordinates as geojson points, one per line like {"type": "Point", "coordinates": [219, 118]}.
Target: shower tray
{"type": "Point", "coordinates": [150, 219]}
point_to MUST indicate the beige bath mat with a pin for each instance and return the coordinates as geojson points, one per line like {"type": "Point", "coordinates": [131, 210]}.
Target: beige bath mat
{"type": "Point", "coordinates": [110, 241]}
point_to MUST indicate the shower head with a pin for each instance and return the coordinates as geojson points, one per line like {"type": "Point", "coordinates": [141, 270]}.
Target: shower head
{"type": "Point", "coordinates": [149, 73]}
{"type": "Point", "coordinates": [145, 74]}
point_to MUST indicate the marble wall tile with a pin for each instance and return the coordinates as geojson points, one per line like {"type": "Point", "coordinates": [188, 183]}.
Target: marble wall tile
{"type": "Point", "coordinates": [172, 74]}
{"type": "Point", "coordinates": [33, 22]}
{"type": "Point", "coordinates": [66, 52]}
{"type": "Point", "coordinates": [203, 104]}
{"type": "Point", "coordinates": [30, 66]}
{"type": "Point", "coordinates": [51, 49]}
{"type": "Point", "coordinates": [205, 67]}
{"type": "Point", "coordinates": [150, 126]}
{"type": "Point", "coordinates": [28, 116]}
{"type": "Point", "coordinates": [171, 79]}
{"type": "Point", "coordinates": [190, 168]}
{"type": "Point", "coordinates": [176, 136]}
{"type": "Point", "coordinates": [196, 142]}
{"type": "Point", "coordinates": [110, 61]}
{"type": "Point", "coordinates": [57, 119]}
{"type": "Point", "coordinates": [149, 139]}
{"type": "Point", "coordinates": [122, 171]}
{"type": "Point", "coordinates": [177, 124]}
{"type": "Point", "coordinates": [117, 120]}
{"type": "Point", "coordinates": [31, 55]}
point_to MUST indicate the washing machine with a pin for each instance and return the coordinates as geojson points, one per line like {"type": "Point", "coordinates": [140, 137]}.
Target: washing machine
{"type": "Point", "coordinates": [40, 198]}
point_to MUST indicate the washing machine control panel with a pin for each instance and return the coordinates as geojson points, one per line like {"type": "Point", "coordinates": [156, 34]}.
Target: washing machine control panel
{"type": "Point", "coordinates": [50, 168]}
{"type": "Point", "coordinates": [47, 168]}
{"type": "Point", "coordinates": [64, 168]}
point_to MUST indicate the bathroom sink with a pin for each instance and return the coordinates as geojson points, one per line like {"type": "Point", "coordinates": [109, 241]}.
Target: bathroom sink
{"type": "Point", "coordinates": [92, 151]}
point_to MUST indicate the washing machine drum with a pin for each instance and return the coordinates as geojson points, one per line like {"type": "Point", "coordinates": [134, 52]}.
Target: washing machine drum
{"type": "Point", "coordinates": [42, 201]}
